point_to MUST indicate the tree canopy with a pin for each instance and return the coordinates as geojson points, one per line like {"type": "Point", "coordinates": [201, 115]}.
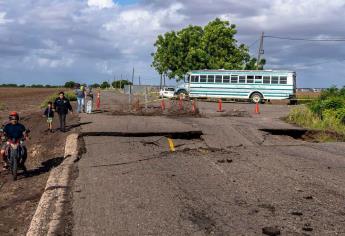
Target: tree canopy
{"type": "Point", "coordinates": [194, 48]}
{"type": "Point", "coordinates": [120, 83]}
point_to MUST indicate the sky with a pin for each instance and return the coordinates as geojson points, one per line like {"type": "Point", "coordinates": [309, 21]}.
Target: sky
{"type": "Point", "coordinates": [54, 41]}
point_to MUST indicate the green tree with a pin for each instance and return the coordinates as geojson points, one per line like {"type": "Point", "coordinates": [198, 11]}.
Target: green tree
{"type": "Point", "coordinates": [70, 84]}
{"type": "Point", "coordinates": [194, 48]}
{"type": "Point", "coordinates": [95, 85]}
{"type": "Point", "coordinates": [120, 83]}
{"type": "Point", "coordinates": [105, 85]}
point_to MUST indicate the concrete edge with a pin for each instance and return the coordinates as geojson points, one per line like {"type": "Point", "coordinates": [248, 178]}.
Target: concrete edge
{"type": "Point", "coordinates": [49, 212]}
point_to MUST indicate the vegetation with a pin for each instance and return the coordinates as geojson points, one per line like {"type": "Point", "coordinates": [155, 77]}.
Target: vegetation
{"type": "Point", "coordinates": [9, 85]}
{"type": "Point", "coordinates": [105, 85]}
{"type": "Point", "coordinates": [327, 112]}
{"type": "Point", "coordinates": [120, 83]}
{"type": "Point", "coordinates": [194, 47]}
{"type": "Point", "coordinates": [70, 84]}
{"type": "Point", "coordinates": [70, 95]}
{"type": "Point", "coordinates": [95, 85]}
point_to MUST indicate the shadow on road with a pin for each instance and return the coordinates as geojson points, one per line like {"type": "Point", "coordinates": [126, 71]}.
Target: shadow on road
{"type": "Point", "coordinates": [45, 167]}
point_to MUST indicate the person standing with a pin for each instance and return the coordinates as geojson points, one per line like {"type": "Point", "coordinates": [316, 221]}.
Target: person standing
{"type": "Point", "coordinates": [62, 106]}
{"type": "Point", "coordinates": [49, 114]}
{"type": "Point", "coordinates": [89, 100]}
{"type": "Point", "coordinates": [80, 93]}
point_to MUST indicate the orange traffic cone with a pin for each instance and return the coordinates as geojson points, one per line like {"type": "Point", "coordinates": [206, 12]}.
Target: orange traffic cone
{"type": "Point", "coordinates": [257, 109]}
{"type": "Point", "coordinates": [98, 101]}
{"type": "Point", "coordinates": [180, 105]}
{"type": "Point", "coordinates": [193, 106]}
{"type": "Point", "coordinates": [163, 104]}
{"type": "Point", "coordinates": [220, 105]}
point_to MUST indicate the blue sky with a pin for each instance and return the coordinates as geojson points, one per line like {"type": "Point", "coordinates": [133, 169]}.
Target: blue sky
{"type": "Point", "coordinates": [126, 2]}
{"type": "Point", "coordinates": [54, 41]}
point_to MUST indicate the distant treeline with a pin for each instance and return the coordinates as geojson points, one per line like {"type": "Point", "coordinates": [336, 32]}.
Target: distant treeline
{"type": "Point", "coordinates": [71, 84]}
{"type": "Point", "coordinates": [28, 86]}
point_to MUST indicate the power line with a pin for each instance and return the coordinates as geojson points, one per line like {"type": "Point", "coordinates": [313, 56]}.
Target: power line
{"type": "Point", "coordinates": [305, 39]}
{"type": "Point", "coordinates": [252, 44]}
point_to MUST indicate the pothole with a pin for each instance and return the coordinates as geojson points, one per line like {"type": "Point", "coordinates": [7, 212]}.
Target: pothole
{"type": "Point", "coordinates": [314, 136]}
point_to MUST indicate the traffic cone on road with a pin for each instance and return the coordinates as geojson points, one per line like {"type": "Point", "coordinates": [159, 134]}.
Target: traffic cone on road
{"type": "Point", "coordinates": [220, 105]}
{"type": "Point", "coordinates": [98, 101]}
{"type": "Point", "coordinates": [180, 105]}
{"type": "Point", "coordinates": [163, 104]}
{"type": "Point", "coordinates": [257, 109]}
{"type": "Point", "coordinates": [193, 106]}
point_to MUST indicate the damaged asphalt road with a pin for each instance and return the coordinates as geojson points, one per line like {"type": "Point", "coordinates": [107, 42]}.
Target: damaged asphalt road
{"type": "Point", "coordinates": [234, 180]}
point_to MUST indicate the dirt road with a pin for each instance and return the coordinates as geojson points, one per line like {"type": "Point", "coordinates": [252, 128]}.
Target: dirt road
{"type": "Point", "coordinates": [243, 176]}
{"type": "Point", "coordinates": [18, 200]}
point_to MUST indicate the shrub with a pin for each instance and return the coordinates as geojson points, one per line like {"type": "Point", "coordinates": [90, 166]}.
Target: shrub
{"type": "Point", "coordinates": [340, 115]}
{"type": "Point", "coordinates": [70, 95]}
{"type": "Point", "coordinates": [105, 85]}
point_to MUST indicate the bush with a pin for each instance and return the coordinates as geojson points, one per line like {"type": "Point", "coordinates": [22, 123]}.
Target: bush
{"type": "Point", "coordinates": [121, 83]}
{"type": "Point", "coordinates": [319, 106]}
{"type": "Point", "coordinates": [105, 85]}
{"type": "Point", "coordinates": [340, 115]}
{"type": "Point", "coordinates": [95, 85]}
{"type": "Point", "coordinates": [70, 95]}
{"type": "Point", "coordinates": [70, 84]}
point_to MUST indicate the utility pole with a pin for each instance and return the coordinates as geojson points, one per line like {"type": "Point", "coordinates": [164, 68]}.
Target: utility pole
{"type": "Point", "coordinates": [133, 77]}
{"type": "Point", "coordinates": [261, 49]}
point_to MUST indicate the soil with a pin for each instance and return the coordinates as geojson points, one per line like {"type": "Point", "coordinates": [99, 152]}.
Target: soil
{"type": "Point", "coordinates": [19, 199]}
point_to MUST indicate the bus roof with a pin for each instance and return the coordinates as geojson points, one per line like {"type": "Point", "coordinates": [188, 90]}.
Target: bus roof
{"type": "Point", "coordinates": [239, 71]}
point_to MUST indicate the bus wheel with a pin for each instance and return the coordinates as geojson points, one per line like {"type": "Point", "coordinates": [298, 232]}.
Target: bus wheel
{"type": "Point", "coordinates": [256, 97]}
{"type": "Point", "coordinates": [182, 94]}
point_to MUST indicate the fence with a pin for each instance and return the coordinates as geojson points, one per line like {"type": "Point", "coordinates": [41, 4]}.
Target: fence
{"type": "Point", "coordinates": [140, 89]}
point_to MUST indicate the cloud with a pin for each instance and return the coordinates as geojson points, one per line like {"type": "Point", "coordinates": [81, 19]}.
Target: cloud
{"type": "Point", "coordinates": [101, 3]}
{"type": "Point", "coordinates": [3, 19]}
{"type": "Point", "coordinates": [93, 40]}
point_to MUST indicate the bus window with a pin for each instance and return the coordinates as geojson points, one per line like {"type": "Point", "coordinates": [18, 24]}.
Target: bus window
{"type": "Point", "coordinates": [219, 79]}
{"type": "Point", "coordinates": [250, 79]}
{"type": "Point", "coordinates": [242, 79]}
{"type": "Point", "coordinates": [226, 79]}
{"type": "Point", "coordinates": [234, 79]}
{"type": "Point", "coordinates": [258, 79]}
{"type": "Point", "coordinates": [194, 79]}
{"type": "Point", "coordinates": [275, 79]}
{"type": "Point", "coordinates": [283, 80]}
{"type": "Point", "coordinates": [267, 79]}
{"type": "Point", "coordinates": [210, 79]}
{"type": "Point", "coordinates": [203, 78]}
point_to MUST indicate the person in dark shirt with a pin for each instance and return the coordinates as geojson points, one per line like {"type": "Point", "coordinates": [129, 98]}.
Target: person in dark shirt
{"type": "Point", "coordinates": [62, 106]}
{"type": "Point", "coordinates": [13, 130]}
{"type": "Point", "coordinates": [49, 114]}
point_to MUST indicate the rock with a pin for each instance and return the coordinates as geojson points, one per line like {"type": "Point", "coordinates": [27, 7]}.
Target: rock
{"type": "Point", "coordinates": [296, 213]}
{"type": "Point", "coordinates": [309, 197]}
{"type": "Point", "coordinates": [271, 231]}
{"type": "Point", "coordinates": [229, 160]}
{"type": "Point", "coordinates": [221, 161]}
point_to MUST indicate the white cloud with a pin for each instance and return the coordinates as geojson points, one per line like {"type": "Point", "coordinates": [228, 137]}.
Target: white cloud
{"type": "Point", "coordinates": [100, 37]}
{"type": "Point", "coordinates": [101, 3]}
{"type": "Point", "coordinates": [3, 19]}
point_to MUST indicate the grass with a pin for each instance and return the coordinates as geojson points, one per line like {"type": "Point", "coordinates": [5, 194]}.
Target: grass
{"type": "Point", "coordinates": [330, 126]}
{"type": "Point", "coordinates": [69, 95]}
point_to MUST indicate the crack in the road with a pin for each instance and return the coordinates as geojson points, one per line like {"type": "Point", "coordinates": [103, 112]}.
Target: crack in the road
{"type": "Point", "coordinates": [188, 135]}
{"type": "Point", "coordinates": [126, 163]}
